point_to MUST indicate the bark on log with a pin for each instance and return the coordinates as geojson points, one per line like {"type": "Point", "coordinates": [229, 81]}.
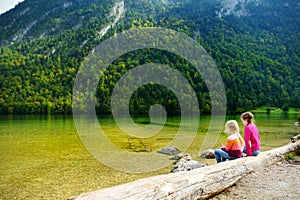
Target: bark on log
{"type": "Point", "coordinates": [295, 138]}
{"type": "Point", "coordinates": [200, 183]}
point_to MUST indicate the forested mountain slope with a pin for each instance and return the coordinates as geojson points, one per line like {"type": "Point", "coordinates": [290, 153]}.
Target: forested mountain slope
{"type": "Point", "coordinates": [255, 44]}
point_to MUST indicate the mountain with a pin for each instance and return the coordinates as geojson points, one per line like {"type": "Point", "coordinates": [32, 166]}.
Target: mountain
{"type": "Point", "coordinates": [255, 44]}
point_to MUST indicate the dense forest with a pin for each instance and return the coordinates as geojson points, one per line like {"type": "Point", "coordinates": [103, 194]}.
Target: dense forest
{"type": "Point", "coordinates": [255, 44]}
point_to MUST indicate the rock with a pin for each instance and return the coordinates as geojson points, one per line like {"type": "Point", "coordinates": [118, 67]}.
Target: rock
{"type": "Point", "coordinates": [145, 150]}
{"type": "Point", "coordinates": [187, 157]}
{"type": "Point", "coordinates": [209, 153]}
{"type": "Point", "coordinates": [170, 150]}
{"type": "Point", "coordinates": [193, 164]}
{"type": "Point", "coordinates": [186, 163]}
{"type": "Point", "coordinates": [178, 156]}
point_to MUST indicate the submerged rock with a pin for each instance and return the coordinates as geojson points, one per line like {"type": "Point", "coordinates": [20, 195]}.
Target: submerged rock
{"type": "Point", "coordinates": [209, 153]}
{"type": "Point", "coordinates": [178, 156]}
{"type": "Point", "coordinates": [170, 150]}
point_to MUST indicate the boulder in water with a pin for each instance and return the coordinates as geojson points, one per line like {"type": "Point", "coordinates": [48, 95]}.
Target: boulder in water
{"type": "Point", "coordinates": [209, 153]}
{"type": "Point", "coordinates": [186, 163]}
{"type": "Point", "coordinates": [170, 150]}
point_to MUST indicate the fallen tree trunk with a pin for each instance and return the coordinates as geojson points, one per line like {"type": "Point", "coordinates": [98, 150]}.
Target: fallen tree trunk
{"type": "Point", "coordinates": [295, 138]}
{"type": "Point", "coordinates": [200, 183]}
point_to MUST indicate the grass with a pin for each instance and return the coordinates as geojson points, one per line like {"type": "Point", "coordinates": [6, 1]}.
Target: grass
{"type": "Point", "coordinates": [292, 155]}
{"type": "Point", "coordinates": [274, 110]}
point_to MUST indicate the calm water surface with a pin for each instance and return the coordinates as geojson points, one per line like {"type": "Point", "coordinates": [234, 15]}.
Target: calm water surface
{"type": "Point", "coordinates": [42, 157]}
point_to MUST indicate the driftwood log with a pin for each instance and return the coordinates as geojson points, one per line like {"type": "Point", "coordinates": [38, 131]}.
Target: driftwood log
{"type": "Point", "coordinates": [199, 183]}
{"type": "Point", "coordinates": [295, 138]}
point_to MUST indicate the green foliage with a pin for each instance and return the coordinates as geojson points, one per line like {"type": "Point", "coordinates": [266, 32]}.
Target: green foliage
{"type": "Point", "coordinates": [285, 108]}
{"type": "Point", "coordinates": [257, 55]}
{"type": "Point", "coordinates": [290, 156]}
{"type": "Point", "coordinates": [274, 110]}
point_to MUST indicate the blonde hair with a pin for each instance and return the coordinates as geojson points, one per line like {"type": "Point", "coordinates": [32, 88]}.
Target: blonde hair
{"type": "Point", "coordinates": [232, 127]}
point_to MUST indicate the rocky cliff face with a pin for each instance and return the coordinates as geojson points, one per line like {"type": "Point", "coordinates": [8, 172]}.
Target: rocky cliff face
{"type": "Point", "coordinates": [237, 7]}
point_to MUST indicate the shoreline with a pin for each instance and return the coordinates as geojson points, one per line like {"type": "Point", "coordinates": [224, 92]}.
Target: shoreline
{"type": "Point", "coordinates": [278, 181]}
{"type": "Point", "coordinates": [201, 183]}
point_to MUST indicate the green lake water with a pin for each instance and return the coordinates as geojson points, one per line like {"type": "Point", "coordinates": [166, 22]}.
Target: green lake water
{"type": "Point", "coordinates": [42, 157]}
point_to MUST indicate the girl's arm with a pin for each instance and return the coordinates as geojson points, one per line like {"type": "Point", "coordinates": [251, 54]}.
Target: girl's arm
{"type": "Point", "coordinates": [247, 134]}
{"type": "Point", "coordinates": [229, 144]}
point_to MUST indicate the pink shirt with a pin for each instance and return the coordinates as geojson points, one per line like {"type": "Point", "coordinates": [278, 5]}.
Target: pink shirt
{"type": "Point", "coordinates": [252, 139]}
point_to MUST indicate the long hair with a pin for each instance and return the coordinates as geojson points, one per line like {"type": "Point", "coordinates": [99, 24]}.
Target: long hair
{"type": "Point", "coordinates": [232, 127]}
{"type": "Point", "coordinates": [248, 116]}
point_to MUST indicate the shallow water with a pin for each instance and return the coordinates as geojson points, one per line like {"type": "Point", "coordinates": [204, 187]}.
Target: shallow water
{"type": "Point", "coordinates": [42, 157]}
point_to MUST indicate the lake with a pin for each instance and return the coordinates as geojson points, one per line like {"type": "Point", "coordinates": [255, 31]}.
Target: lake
{"type": "Point", "coordinates": [43, 157]}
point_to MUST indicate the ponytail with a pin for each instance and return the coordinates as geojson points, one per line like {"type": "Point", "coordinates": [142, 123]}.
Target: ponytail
{"type": "Point", "coordinates": [248, 116]}
{"type": "Point", "coordinates": [242, 141]}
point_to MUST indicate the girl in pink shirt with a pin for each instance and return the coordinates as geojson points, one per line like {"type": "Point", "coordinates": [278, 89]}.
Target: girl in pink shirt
{"type": "Point", "coordinates": [251, 135]}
